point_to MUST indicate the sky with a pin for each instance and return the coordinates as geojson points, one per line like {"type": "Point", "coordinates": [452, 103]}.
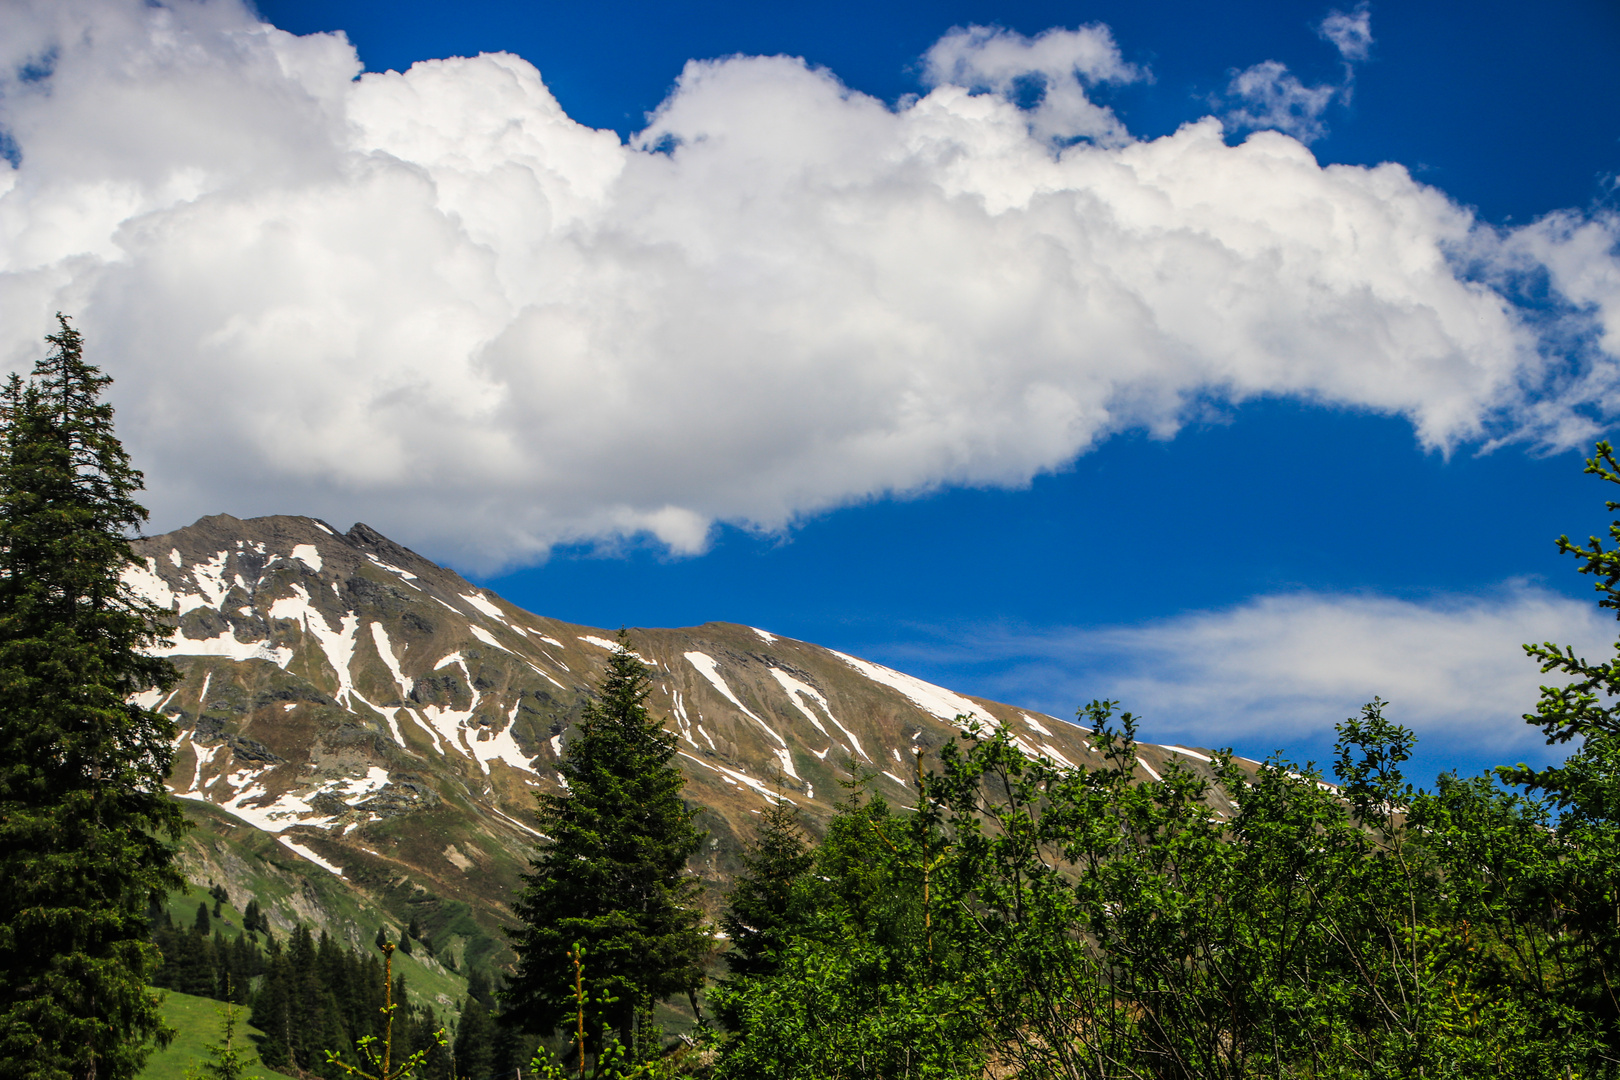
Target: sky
{"type": "Point", "coordinates": [1235, 361]}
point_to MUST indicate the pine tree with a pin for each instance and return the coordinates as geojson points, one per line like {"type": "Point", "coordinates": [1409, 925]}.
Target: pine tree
{"type": "Point", "coordinates": [475, 1041]}
{"type": "Point", "coordinates": [84, 816]}
{"type": "Point", "coordinates": [251, 917]}
{"type": "Point", "coordinates": [759, 919]}
{"type": "Point", "coordinates": [613, 875]}
{"type": "Point", "coordinates": [227, 1060]}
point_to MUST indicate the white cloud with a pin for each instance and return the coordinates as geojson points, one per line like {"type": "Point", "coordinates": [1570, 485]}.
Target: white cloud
{"type": "Point", "coordinates": [1269, 97]}
{"type": "Point", "coordinates": [1350, 33]}
{"type": "Point", "coordinates": [1273, 99]}
{"type": "Point", "coordinates": [1282, 670]}
{"type": "Point", "coordinates": [1059, 63]}
{"type": "Point", "coordinates": [433, 301]}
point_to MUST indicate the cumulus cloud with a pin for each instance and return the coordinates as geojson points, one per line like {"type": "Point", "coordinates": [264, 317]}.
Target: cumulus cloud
{"type": "Point", "coordinates": [432, 301]}
{"type": "Point", "coordinates": [1055, 67]}
{"type": "Point", "coordinates": [1281, 670]}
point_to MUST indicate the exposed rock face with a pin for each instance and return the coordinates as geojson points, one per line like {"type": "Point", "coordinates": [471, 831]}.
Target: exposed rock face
{"type": "Point", "coordinates": [380, 713]}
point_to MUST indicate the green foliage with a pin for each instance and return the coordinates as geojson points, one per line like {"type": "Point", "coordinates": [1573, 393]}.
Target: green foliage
{"type": "Point", "coordinates": [759, 916]}
{"type": "Point", "coordinates": [611, 1059]}
{"type": "Point", "coordinates": [864, 975]}
{"type": "Point", "coordinates": [376, 1052]}
{"type": "Point", "coordinates": [1585, 892]}
{"type": "Point", "coordinates": [84, 817]}
{"type": "Point", "coordinates": [1035, 921]}
{"type": "Point", "coordinates": [196, 1021]}
{"type": "Point", "coordinates": [1254, 922]}
{"type": "Point", "coordinates": [226, 1060]}
{"type": "Point", "coordinates": [613, 874]}
{"type": "Point", "coordinates": [317, 998]}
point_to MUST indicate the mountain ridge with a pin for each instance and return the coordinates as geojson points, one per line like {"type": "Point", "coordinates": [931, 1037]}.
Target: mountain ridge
{"type": "Point", "coordinates": [389, 722]}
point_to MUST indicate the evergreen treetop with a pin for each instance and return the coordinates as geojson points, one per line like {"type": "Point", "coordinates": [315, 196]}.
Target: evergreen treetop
{"type": "Point", "coordinates": [84, 814]}
{"type": "Point", "coordinates": [613, 874]}
{"type": "Point", "coordinates": [759, 919]}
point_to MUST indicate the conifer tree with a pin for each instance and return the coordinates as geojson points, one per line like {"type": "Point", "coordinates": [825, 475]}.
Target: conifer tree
{"type": "Point", "coordinates": [84, 816]}
{"type": "Point", "coordinates": [759, 918]}
{"type": "Point", "coordinates": [613, 874]}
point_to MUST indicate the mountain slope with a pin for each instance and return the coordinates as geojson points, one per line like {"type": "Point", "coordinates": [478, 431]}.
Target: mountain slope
{"type": "Point", "coordinates": [388, 722]}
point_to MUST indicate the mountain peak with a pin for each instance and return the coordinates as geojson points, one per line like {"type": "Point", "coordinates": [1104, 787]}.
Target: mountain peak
{"type": "Point", "coordinates": [383, 718]}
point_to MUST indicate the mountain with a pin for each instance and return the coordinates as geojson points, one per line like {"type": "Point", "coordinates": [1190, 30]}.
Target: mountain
{"type": "Point", "coordinates": [362, 731]}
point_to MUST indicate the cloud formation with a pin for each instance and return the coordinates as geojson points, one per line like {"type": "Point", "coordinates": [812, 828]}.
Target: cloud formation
{"type": "Point", "coordinates": [1281, 670]}
{"type": "Point", "coordinates": [1271, 98]}
{"type": "Point", "coordinates": [433, 301]}
{"type": "Point", "coordinates": [1350, 33]}
{"type": "Point", "coordinates": [1267, 96]}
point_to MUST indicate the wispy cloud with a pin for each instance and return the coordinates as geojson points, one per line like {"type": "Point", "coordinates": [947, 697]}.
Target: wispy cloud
{"type": "Point", "coordinates": [433, 301]}
{"type": "Point", "coordinates": [1280, 670]}
{"type": "Point", "coordinates": [1269, 97]}
{"type": "Point", "coordinates": [1350, 33]}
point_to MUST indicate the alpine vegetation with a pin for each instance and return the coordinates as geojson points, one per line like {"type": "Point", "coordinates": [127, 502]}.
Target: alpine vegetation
{"type": "Point", "coordinates": [84, 815]}
{"type": "Point", "coordinates": [612, 875]}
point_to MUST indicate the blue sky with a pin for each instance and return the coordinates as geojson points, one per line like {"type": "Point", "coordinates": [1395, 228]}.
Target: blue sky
{"type": "Point", "coordinates": [1243, 555]}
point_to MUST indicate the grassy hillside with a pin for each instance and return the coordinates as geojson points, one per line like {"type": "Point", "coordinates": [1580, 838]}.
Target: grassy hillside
{"type": "Point", "coordinates": [199, 1024]}
{"type": "Point", "coordinates": [290, 889]}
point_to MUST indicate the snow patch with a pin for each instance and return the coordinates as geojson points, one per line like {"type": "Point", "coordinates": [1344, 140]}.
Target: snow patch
{"type": "Point", "coordinates": [484, 606]}
{"type": "Point", "coordinates": [438, 747]}
{"type": "Point", "coordinates": [174, 558]}
{"type": "Point", "coordinates": [682, 719]}
{"type": "Point", "coordinates": [385, 650]}
{"type": "Point", "coordinates": [519, 824]}
{"type": "Point", "coordinates": [1056, 755]}
{"type": "Point", "coordinates": [740, 778]}
{"type": "Point", "coordinates": [309, 555]}
{"type": "Point", "coordinates": [210, 578]}
{"type": "Point", "coordinates": [795, 688]}
{"type": "Point", "coordinates": [769, 638]}
{"type": "Point", "coordinates": [934, 700]}
{"type": "Point", "coordinates": [1205, 758]}
{"type": "Point", "coordinates": [1035, 725]}
{"type": "Point", "coordinates": [488, 638]}
{"type": "Point", "coordinates": [310, 855]}
{"type": "Point", "coordinates": [709, 669]}
{"type": "Point", "coordinates": [337, 643]}
{"type": "Point", "coordinates": [142, 579]}
{"type": "Point", "coordinates": [226, 645]}
{"type": "Point", "coordinates": [613, 646]}
{"type": "Point", "coordinates": [391, 568]}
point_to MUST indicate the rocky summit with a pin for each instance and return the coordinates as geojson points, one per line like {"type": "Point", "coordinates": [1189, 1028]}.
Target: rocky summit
{"type": "Point", "coordinates": [388, 723]}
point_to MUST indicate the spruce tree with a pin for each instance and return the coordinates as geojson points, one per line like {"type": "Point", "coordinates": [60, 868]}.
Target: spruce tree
{"type": "Point", "coordinates": [84, 816]}
{"type": "Point", "coordinates": [760, 917]}
{"type": "Point", "coordinates": [613, 875]}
